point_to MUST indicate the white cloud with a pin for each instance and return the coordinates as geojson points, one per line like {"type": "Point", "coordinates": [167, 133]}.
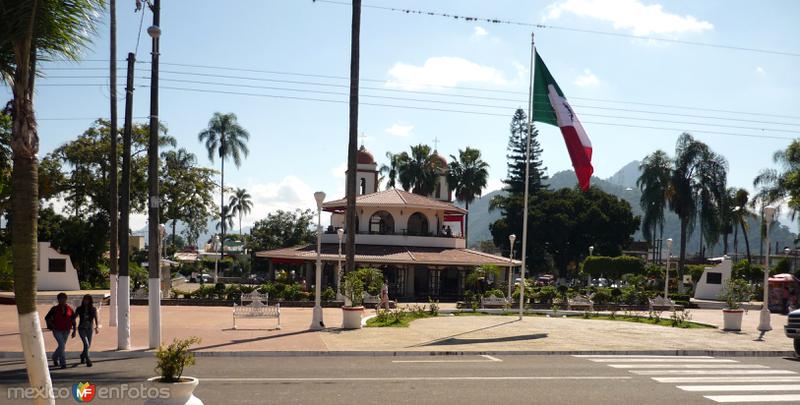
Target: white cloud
{"type": "Point", "coordinates": [338, 172]}
{"type": "Point", "coordinates": [400, 129]}
{"type": "Point", "coordinates": [493, 184]}
{"type": "Point", "coordinates": [442, 71]}
{"type": "Point", "coordinates": [480, 32]}
{"type": "Point", "coordinates": [587, 79]}
{"type": "Point", "coordinates": [760, 71]}
{"type": "Point", "coordinates": [632, 15]}
{"type": "Point", "coordinates": [287, 194]}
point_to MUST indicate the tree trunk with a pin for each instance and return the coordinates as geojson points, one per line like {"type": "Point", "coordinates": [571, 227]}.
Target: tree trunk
{"type": "Point", "coordinates": [466, 225]}
{"type": "Point", "coordinates": [222, 155]}
{"type": "Point", "coordinates": [682, 258]}
{"type": "Point", "coordinates": [735, 241]}
{"type": "Point", "coordinates": [746, 242]}
{"type": "Point", "coordinates": [174, 225]}
{"type": "Point", "coordinates": [240, 224]}
{"type": "Point", "coordinates": [114, 191]}
{"type": "Point", "coordinates": [352, 145]}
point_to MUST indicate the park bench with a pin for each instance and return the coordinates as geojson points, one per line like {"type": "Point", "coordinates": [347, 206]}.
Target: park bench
{"type": "Point", "coordinates": [493, 302]}
{"type": "Point", "coordinates": [660, 303]}
{"type": "Point", "coordinates": [257, 307]}
{"type": "Point", "coordinates": [580, 302]}
{"type": "Point", "coordinates": [374, 300]}
{"type": "Point", "coordinates": [139, 294]}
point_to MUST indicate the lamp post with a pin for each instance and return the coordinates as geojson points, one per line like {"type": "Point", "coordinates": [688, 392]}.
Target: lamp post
{"type": "Point", "coordinates": [511, 239]}
{"type": "Point", "coordinates": [589, 276]}
{"type": "Point", "coordinates": [339, 297]}
{"type": "Point", "coordinates": [216, 247]}
{"type": "Point", "coordinates": [154, 206]}
{"type": "Point", "coordinates": [316, 321]}
{"type": "Point", "coordinates": [522, 284]}
{"type": "Point", "coordinates": [666, 272]}
{"type": "Point", "coordinates": [764, 321]}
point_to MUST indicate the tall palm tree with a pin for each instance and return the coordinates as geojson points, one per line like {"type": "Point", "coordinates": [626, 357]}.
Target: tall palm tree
{"type": "Point", "coordinates": [418, 171]}
{"type": "Point", "coordinates": [226, 138]}
{"type": "Point", "coordinates": [32, 30]}
{"type": "Point", "coordinates": [711, 190]}
{"type": "Point", "coordinates": [654, 182]}
{"type": "Point", "coordinates": [467, 176]}
{"type": "Point", "coordinates": [741, 214]}
{"type": "Point", "coordinates": [783, 184]}
{"type": "Point", "coordinates": [227, 218]}
{"type": "Point", "coordinates": [241, 204]}
{"type": "Point", "coordinates": [352, 137]}
{"type": "Point", "coordinates": [390, 171]}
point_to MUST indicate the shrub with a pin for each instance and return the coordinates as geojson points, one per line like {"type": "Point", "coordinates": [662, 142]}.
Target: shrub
{"type": "Point", "coordinates": [735, 292]}
{"type": "Point", "coordinates": [602, 296]}
{"type": "Point", "coordinates": [494, 293]}
{"type": "Point", "coordinates": [434, 306]}
{"type": "Point", "coordinates": [783, 266]}
{"type": "Point", "coordinates": [547, 294]}
{"type": "Point", "coordinates": [328, 294]}
{"type": "Point", "coordinates": [613, 267]}
{"type": "Point", "coordinates": [173, 359]}
{"type": "Point", "coordinates": [233, 292]}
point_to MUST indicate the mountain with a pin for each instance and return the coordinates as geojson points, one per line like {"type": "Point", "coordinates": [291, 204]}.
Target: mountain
{"type": "Point", "coordinates": [623, 185]}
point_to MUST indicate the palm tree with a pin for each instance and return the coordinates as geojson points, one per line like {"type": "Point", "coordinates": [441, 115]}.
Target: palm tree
{"type": "Point", "coordinates": [390, 171]}
{"type": "Point", "coordinates": [226, 138]}
{"type": "Point", "coordinates": [775, 185]}
{"type": "Point", "coordinates": [467, 176]}
{"type": "Point", "coordinates": [31, 30]}
{"type": "Point", "coordinates": [241, 204]}
{"type": "Point", "coordinates": [654, 182]}
{"type": "Point", "coordinates": [352, 137]}
{"type": "Point", "coordinates": [227, 219]}
{"type": "Point", "coordinates": [418, 171]}
{"type": "Point", "coordinates": [711, 189]}
{"type": "Point", "coordinates": [740, 216]}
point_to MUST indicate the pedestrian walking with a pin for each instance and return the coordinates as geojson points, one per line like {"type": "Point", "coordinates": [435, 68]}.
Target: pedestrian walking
{"type": "Point", "coordinates": [60, 320]}
{"type": "Point", "coordinates": [87, 323]}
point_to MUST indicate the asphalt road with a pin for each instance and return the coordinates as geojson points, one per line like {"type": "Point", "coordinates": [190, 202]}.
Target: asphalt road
{"type": "Point", "coordinates": [451, 379]}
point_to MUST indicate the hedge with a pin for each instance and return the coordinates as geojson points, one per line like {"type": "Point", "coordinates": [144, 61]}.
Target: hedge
{"type": "Point", "coordinates": [613, 267]}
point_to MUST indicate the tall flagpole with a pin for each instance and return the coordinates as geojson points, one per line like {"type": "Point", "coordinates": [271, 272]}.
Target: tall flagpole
{"type": "Point", "coordinates": [527, 173]}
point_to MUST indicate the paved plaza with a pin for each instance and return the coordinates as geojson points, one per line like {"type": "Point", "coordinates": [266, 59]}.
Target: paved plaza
{"type": "Point", "coordinates": [440, 334]}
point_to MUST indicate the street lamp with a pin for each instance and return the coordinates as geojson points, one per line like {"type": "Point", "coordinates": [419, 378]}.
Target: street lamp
{"type": "Point", "coordinates": [764, 321]}
{"type": "Point", "coordinates": [511, 239]}
{"type": "Point", "coordinates": [340, 233]}
{"type": "Point", "coordinates": [589, 276]}
{"type": "Point", "coordinates": [666, 272]}
{"type": "Point", "coordinates": [216, 246]}
{"type": "Point", "coordinates": [316, 321]}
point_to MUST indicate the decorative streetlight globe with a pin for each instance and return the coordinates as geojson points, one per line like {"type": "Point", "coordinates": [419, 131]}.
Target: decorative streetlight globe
{"type": "Point", "coordinates": [154, 31]}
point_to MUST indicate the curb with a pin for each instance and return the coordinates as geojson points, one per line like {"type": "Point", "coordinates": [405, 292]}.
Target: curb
{"type": "Point", "coordinates": [365, 353]}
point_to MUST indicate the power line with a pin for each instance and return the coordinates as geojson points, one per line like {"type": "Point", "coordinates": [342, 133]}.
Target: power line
{"type": "Point", "coordinates": [556, 27]}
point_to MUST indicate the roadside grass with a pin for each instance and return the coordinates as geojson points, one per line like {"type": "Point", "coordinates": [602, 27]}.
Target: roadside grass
{"type": "Point", "coordinates": [395, 319]}
{"type": "Point", "coordinates": [675, 320]}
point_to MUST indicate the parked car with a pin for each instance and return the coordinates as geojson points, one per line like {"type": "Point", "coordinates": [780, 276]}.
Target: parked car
{"type": "Point", "coordinates": [792, 329]}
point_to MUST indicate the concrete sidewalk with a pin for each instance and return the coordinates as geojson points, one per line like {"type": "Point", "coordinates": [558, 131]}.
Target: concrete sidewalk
{"type": "Point", "coordinates": [442, 334]}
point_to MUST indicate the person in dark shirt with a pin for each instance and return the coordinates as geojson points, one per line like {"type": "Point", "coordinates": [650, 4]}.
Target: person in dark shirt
{"type": "Point", "coordinates": [60, 319]}
{"type": "Point", "coordinates": [86, 315]}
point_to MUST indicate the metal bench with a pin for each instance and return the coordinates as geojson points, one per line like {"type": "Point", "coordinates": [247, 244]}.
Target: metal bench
{"type": "Point", "coordinates": [660, 303]}
{"type": "Point", "coordinates": [580, 302]}
{"type": "Point", "coordinates": [257, 307]}
{"type": "Point", "coordinates": [493, 302]}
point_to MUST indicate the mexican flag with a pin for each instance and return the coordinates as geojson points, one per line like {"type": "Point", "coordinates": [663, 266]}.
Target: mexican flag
{"type": "Point", "coordinates": [551, 107]}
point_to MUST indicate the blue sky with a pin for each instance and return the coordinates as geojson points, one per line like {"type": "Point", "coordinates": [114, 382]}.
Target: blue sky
{"type": "Point", "coordinates": [299, 146]}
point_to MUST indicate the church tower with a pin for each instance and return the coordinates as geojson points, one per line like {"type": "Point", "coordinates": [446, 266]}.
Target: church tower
{"type": "Point", "coordinates": [366, 172]}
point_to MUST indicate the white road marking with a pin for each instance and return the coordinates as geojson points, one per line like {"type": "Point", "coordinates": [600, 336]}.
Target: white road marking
{"type": "Point", "coordinates": [762, 387]}
{"type": "Point", "coordinates": [712, 372]}
{"type": "Point", "coordinates": [727, 379]}
{"type": "Point", "coordinates": [644, 356]}
{"type": "Point", "coordinates": [433, 378]}
{"type": "Point", "coordinates": [755, 398]}
{"type": "Point", "coordinates": [717, 366]}
{"type": "Point", "coordinates": [664, 360]}
{"type": "Point", "coordinates": [487, 358]}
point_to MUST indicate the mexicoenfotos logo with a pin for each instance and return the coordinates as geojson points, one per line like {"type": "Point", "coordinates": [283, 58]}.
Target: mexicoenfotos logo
{"type": "Point", "coordinates": [84, 391]}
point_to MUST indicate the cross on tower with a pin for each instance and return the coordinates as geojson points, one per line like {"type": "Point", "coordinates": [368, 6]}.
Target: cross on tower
{"type": "Point", "coordinates": [363, 137]}
{"type": "Point", "coordinates": [435, 143]}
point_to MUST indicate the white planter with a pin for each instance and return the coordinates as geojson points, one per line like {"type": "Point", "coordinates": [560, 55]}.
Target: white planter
{"type": "Point", "coordinates": [351, 317]}
{"type": "Point", "coordinates": [732, 319]}
{"type": "Point", "coordinates": [180, 393]}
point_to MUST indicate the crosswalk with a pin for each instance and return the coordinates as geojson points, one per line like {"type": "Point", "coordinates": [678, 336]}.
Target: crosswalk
{"type": "Point", "coordinates": [719, 380]}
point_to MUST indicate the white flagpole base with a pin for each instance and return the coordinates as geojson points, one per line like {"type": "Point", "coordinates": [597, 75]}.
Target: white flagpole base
{"type": "Point", "coordinates": [124, 312]}
{"type": "Point", "coordinates": [112, 300]}
{"type": "Point", "coordinates": [154, 311]}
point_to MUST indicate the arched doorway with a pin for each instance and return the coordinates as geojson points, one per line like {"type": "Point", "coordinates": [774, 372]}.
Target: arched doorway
{"type": "Point", "coordinates": [418, 224]}
{"type": "Point", "coordinates": [381, 223]}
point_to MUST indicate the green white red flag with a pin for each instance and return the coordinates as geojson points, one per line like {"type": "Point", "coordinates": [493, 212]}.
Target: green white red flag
{"type": "Point", "coordinates": [551, 107]}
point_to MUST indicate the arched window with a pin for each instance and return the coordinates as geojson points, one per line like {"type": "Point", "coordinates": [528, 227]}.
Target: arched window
{"type": "Point", "coordinates": [381, 223]}
{"type": "Point", "coordinates": [418, 224]}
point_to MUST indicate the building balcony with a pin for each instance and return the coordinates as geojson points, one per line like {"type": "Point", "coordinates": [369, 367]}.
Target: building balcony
{"type": "Point", "coordinates": [400, 240]}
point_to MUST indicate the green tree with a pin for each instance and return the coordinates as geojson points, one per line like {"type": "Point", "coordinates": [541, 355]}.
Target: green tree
{"type": "Point", "coordinates": [389, 171]}
{"type": "Point", "coordinates": [467, 176]}
{"type": "Point", "coordinates": [187, 190]}
{"type": "Point", "coordinates": [654, 181]}
{"type": "Point", "coordinates": [227, 219]}
{"type": "Point", "coordinates": [741, 213]}
{"type": "Point", "coordinates": [782, 183]}
{"type": "Point", "coordinates": [282, 229]}
{"type": "Point", "coordinates": [228, 140]}
{"type": "Point", "coordinates": [241, 204]}
{"type": "Point", "coordinates": [31, 30]}
{"type": "Point", "coordinates": [418, 170]}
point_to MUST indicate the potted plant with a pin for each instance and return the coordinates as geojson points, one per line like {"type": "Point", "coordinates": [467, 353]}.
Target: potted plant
{"type": "Point", "coordinates": [171, 361]}
{"type": "Point", "coordinates": [734, 293]}
{"type": "Point", "coordinates": [353, 308]}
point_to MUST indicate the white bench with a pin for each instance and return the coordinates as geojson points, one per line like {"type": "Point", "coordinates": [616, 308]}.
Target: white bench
{"type": "Point", "coordinates": [660, 303]}
{"type": "Point", "coordinates": [493, 302]}
{"type": "Point", "coordinates": [580, 301]}
{"type": "Point", "coordinates": [257, 307]}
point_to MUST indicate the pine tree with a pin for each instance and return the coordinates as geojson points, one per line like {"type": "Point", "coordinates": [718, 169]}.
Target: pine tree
{"type": "Point", "coordinates": [516, 157]}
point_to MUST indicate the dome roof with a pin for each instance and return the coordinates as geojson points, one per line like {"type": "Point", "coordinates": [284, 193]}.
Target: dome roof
{"type": "Point", "coordinates": [439, 160]}
{"type": "Point", "coordinates": [364, 156]}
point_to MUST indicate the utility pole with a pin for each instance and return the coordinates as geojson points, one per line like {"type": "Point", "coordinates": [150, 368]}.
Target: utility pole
{"type": "Point", "coordinates": [352, 146]}
{"type": "Point", "coordinates": [154, 259]}
{"type": "Point", "coordinates": [114, 190]}
{"type": "Point", "coordinates": [124, 285]}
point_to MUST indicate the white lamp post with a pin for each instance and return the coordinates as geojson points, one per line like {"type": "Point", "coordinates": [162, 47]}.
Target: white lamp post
{"type": "Point", "coordinates": [217, 247]}
{"type": "Point", "coordinates": [511, 239]}
{"type": "Point", "coordinates": [339, 297]}
{"type": "Point", "coordinates": [589, 276]}
{"type": "Point", "coordinates": [666, 272]}
{"type": "Point", "coordinates": [316, 321]}
{"type": "Point", "coordinates": [764, 321]}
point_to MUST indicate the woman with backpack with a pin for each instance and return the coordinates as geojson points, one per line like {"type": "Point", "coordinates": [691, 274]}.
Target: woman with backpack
{"type": "Point", "coordinates": [60, 319]}
{"type": "Point", "coordinates": [86, 315]}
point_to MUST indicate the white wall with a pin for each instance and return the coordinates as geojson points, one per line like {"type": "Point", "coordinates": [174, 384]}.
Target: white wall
{"type": "Point", "coordinates": [55, 281]}
{"type": "Point", "coordinates": [706, 291]}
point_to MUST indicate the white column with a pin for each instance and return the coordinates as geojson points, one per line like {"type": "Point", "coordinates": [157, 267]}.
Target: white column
{"type": "Point", "coordinates": [32, 339]}
{"type": "Point", "coordinates": [124, 310]}
{"type": "Point", "coordinates": [154, 311]}
{"type": "Point", "coordinates": [112, 307]}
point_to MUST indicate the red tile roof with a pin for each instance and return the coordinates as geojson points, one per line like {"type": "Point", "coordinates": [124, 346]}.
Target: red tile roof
{"type": "Point", "coordinates": [394, 198]}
